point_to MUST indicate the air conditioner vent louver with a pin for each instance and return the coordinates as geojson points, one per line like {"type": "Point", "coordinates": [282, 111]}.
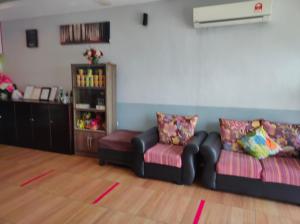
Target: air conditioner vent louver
{"type": "Point", "coordinates": [5, 1]}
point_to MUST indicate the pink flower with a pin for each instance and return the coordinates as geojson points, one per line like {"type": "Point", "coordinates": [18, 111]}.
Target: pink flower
{"type": "Point", "coordinates": [10, 88]}
{"type": "Point", "coordinates": [89, 53]}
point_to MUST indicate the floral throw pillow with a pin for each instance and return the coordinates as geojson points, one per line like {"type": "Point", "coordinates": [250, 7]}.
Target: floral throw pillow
{"type": "Point", "coordinates": [233, 130]}
{"type": "Point", "coordinates": [259, 144]}
{"type": "Point", "coordinates": [286, 135]}
{"type": "Point", "coordinates": [176, 129]}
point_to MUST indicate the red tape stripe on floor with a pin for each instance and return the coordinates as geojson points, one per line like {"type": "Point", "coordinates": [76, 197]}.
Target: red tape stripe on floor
{"type": "Point", "coordinates": [105, 193]}
{"type": "Point", "coordinates": [26, 182]}
{"type": "Point", "coordinates": [199, 212]}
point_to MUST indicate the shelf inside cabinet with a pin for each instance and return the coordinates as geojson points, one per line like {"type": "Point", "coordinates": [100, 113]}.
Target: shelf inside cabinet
{"type": "Point", "coordinates": [90, 110]}
{"type": "Point", "coordinates": [90, 130]}
{"type": "Point", "coordinates": [90, 88]}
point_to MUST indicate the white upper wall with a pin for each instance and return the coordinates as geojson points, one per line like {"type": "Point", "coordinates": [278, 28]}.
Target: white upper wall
{"type": "Point", "coordinates": [170, 62]}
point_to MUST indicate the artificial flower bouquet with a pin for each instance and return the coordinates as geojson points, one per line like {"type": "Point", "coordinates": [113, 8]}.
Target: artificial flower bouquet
{"type": "Point", "coordinates": [6, 86]}
{"type": "Point", "coordinates": [93, 55]}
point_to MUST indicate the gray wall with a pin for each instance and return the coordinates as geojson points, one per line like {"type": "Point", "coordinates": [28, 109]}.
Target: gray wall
{"type": "Point", "coordinates": [255, 67]}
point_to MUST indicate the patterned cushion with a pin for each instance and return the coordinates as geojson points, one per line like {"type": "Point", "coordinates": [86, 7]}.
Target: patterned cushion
{"type": "Point", "coordinates": [168, 155]}
{"type": "Point", "coordinates": [286, 135]}
{"type": "Point", "coordinates": [232, 130]}
{"type": "Point", "coordinates": [175, 129]}
{"type": "Point", "coordinates": [259, 144]}
{"type": "Point", "coordinates": [238, 164]}
{"type": "Point", "coordinates": [281, 170]}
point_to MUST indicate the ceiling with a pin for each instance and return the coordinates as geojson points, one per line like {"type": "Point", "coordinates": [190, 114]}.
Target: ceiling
{"type": "Point", "coordinates": [20, 9]}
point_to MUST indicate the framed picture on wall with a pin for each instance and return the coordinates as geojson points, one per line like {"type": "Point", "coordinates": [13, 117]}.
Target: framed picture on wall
{"type": "Point", "coordinates": [85, 33]}
{"type": "Point", "coordinates": [1, 47]}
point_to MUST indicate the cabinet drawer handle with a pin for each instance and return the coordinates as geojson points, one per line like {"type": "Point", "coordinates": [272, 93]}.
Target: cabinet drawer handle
{"type": "Point", "coordinates": [91, 142]}
{"type": "Point", "coordinates": [87, 142]}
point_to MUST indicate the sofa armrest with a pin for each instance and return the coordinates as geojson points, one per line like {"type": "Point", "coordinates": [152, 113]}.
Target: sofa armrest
{"type": "Point", "coordinates": [145, 140]}
{"type": "Point", "coordinates": [210, 151]}
{"type": "Point", "coordinates": [189, 157]}
{"type": "Point", "coordinates": [192, 147]}
{"type": "Point", "coordinates": [141, 144]}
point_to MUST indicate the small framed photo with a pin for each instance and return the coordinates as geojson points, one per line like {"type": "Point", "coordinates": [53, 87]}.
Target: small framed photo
{"type": "Point", "coordinates": [36, 93]}
{"type": "Point", "coordinates": [28, 92]}
{"type": "Point", "coordinates": [53, 94]}
{"type": "Point", "coordinates": [45, 93]}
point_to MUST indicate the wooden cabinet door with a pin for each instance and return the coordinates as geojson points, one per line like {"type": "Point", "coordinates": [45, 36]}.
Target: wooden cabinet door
{"type": "Point", "coordinates": [61, 139]}
{"type": "Point", "coordinates": [81, 141]}
{"type": "Point", "coordinates": [7, 123]}
{"type": "Point", "coordinates": [41, 126]}
{"type": "Point", "coordinates": [87, 141]}
{"type": "Point", "coordinates": [24, 125]}
{"type": "Point", "coordinates": [94, 138]}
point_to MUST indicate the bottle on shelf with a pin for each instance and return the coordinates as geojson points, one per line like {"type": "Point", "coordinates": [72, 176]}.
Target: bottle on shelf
{"type": "Point", "coordinates": [101, 83]}
{"type": "Point", "coordinates": [78, 80]}
{"type": "Point", "coordinates": [96, 80]}
{"type": "Point", "coordinates": [82, 78]}
{"type": "Point", "coordinates": [87, 77]}
{"type": "Point", "coordinates": [91, 78]}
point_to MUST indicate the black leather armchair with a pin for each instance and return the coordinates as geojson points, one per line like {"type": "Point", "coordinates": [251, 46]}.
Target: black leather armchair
{"type": "Point", "coordinates": [184, 175]}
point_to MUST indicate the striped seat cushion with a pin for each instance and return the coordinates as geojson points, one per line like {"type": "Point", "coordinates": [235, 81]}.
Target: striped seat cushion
{"type": "Point", "coordinates": [281, 170]}
{"type": "Point", "coordinates": [238, 164]}
{"type": "Point", "coordinates": [168, 155]}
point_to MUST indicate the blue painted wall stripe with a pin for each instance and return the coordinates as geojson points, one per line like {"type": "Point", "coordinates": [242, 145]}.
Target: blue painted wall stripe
{"type": "Point", "coordinates": [135, 116]}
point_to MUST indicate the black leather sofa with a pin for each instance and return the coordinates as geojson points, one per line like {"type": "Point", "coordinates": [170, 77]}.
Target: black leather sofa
{"type": "Point", "coordinates": [209, 154]}
{"type": "Point", "coordinates": [184, 175]}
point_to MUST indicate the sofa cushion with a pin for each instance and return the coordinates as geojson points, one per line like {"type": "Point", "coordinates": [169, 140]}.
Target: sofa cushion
{"type": "Point", "coordinates": [119, 141]}
{"type": "Point", "coordinates": [238, 164]}
{"type": "Point", "coordinates": [286, 135]}
{"type": "Point", "coordinates": [169, 155]}
{"type": "Point", "coordinates": [281, 170]}
{"type": "Point", "coordinates": [176, 129]}
{"type": "Point", "coordinates": [259, 144]}
{"type": "Point", "coordinates": [233, 130]}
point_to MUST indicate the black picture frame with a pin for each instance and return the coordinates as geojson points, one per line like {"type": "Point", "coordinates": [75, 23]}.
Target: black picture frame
{"type": "Point", "coordinates": [45, 93]}
{"type": "Point", "coordinates": [32, 40]}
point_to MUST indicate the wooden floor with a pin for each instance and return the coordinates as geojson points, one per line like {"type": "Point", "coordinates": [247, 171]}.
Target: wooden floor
{"type": "Point", "coordinates": [65, 195]}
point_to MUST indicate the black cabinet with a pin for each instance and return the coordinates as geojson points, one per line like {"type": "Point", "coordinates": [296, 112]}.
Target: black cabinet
{"type": "Point", "coordinates": [7, 123]}
{"type": "Point", "coordinates": [24, 125]}
{"type": "Point", "coordinates": [41, 126]}
{"type": "Point", "coordinates": [61, 131]}
{"type": "Point", "coordinates": [45, 126]}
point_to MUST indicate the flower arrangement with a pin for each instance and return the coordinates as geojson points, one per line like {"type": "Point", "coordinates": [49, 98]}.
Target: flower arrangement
{"type": "Point", "coordinates": [93, 55]}
{"type": "Point", "coordinates": [6, 86]}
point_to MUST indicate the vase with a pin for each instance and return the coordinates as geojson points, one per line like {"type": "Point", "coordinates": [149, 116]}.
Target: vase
{"type": "Point", "coordinates": [95, 61]}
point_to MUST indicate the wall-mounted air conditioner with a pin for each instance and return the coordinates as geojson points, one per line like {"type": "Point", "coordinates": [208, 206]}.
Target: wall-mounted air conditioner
{"type": "Point", "coordinates": [233, 13]}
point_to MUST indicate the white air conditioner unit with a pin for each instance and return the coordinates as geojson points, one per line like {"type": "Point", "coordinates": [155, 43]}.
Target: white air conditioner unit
{"type": "Point", "coordinates": [233, 13]}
